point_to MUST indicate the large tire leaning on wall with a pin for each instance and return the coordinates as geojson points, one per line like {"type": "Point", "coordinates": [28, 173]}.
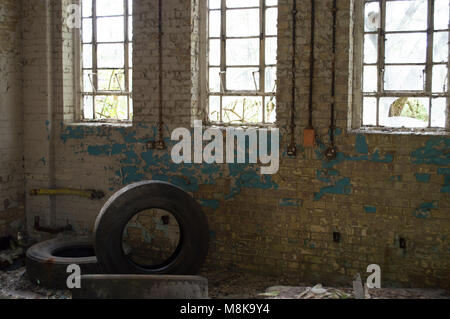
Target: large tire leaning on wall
{"type": "Point", "coordinates": [47, 262]}
{"type": "Point", "coordinates": [192, 248]}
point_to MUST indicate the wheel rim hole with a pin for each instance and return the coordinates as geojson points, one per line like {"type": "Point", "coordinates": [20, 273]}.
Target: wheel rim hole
{"type": "Point", "coordinates": [75, 252]}
{"type": "Point", "coordinates": [151, 238]}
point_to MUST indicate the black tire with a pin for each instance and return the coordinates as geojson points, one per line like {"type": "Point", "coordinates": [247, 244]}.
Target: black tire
{"type": "Point", "coordinates": [46, 262]}
{"type": "Point", "coordinates": [192, 249]}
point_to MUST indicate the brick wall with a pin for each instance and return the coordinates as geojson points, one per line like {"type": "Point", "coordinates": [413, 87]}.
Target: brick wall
{"type": "Point", "coordinates": [381, 187]}
{"type": "Point", "coordinates": [11, 117]}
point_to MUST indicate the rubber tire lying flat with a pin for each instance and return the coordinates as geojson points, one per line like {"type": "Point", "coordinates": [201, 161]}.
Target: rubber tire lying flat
{"type": "Point", "coordinates": [50, 271]}
{"type": "Point", "coordinates": [141, 287]}
{"type": "Point", "coordinates": [133, 199]}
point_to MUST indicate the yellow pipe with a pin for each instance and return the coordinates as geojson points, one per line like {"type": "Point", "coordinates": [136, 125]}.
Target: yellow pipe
{"type": "Point", "coordinates": [91, 194]}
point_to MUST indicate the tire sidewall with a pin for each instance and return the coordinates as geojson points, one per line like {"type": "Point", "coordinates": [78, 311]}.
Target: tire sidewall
{"type": "Point", "coordinates": [133, 199]}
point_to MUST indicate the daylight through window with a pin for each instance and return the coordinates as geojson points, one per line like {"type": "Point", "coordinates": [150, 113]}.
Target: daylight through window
{"type": "Point", "coordinates": [242, 58]}
{"type": "Point", "coordinates": [106, 61]}
{"type": "Point", "coordinates": [406, 56]}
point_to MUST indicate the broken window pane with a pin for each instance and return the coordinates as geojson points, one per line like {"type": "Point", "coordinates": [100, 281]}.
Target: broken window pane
{"type": "Point", "coordinates": [406, 15]}
{"type": "Point", "coordinates": [111, 107]}
{"type": "Point", "coordinates": [404, 77]}
{"type": "Point", "coordinates": [406, 48]}
{"type": "Point", "coordinates": [108, 72]}
{"type": "Point", "coordinates": [404, 112]}
{"type": "Point", "coordinates": [111, 80]}
{"type": "Point", "coordinates": [232, 109]}
{"type": "Point", "coordinates": [240, 109]}
{"type": "Point", "coordinates": [271, 107]}
{"type": "Point", "coordinates": [243, 52]}
{"type": "Point", "coordinates": [243, 23]}
{"type": "Point", "coordinates": [243, 60]}
{"type": "Point", "coordinates": [214, 108]}
{"type": "Point", "coordinates": [253, 111]}
{"type": "Point", "coordinates": [405, 55]}
{"type": "Point", "coordinates": [242, 79]}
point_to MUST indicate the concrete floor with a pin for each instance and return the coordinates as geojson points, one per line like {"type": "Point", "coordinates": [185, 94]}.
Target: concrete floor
{"type": "Point", "coordinates": [222, 285]}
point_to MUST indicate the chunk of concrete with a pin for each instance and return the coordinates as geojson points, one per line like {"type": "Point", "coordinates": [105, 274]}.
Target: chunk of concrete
{"type": "Point", "coordinates": [141, 287]}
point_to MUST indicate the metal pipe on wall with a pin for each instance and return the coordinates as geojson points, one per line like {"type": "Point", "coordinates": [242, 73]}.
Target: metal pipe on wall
{"type": "Point", "coordinates": [309, 133]}
{"type": "Point", "coordinates": [331, 151]}
{"type": "Point", "coordinates": [292, 149]}
{"type": "Point", "coordinates": [160, 144]}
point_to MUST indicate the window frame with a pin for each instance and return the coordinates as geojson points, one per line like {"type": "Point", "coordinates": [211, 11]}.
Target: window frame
{"type": "Point", "coordinates": [205, 66]}
{"type": "Point", "coordinates": [79, 68]}
{"type": "Point", "coordinates": [357, 103]}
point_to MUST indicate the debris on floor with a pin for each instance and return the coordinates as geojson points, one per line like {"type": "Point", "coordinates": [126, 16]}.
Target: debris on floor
{"type": "Point", "coordinates": [11, 256]}
{"type": "Point", "coordinates": [227, 285]}
{"type": "Point", "coordinates": [319, 292]}
{"type": "Point", "coordinates": [16, 285]}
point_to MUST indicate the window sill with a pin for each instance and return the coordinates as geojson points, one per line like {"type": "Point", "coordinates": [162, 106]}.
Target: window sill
{"type": "Point", "coordinates": [100, 124]}
{"type": "Point", "coordinates": [224, 126]}
{"type": "Point", "coordinates": [400, 131]}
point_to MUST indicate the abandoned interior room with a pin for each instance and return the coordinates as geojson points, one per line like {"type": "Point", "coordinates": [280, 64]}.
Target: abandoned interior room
{"type": "Point", "coordinates": [271, 149]}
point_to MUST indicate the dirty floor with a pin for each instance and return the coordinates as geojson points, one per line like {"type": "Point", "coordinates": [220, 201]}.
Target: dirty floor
{"type": "Point", "coordinates": [226, 285]}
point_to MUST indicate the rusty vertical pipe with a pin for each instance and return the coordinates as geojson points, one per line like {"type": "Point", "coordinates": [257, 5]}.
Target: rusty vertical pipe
{"type": "Point", "coordinates": [292, 149]}
{"type": "Point", "coordinates": [333, 76]}
{"type": "Point", "coordinates": [160, 143]}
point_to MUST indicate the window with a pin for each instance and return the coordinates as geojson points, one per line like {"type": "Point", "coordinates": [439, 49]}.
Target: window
{"type": "Point", "coordinates": [405, 57]}
{"type": "Point", "coordinates": [241, 61]}
{"type": "Point", "coordinates": [106, 60]}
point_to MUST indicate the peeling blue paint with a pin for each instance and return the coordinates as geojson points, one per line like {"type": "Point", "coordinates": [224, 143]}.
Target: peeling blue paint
{"type": "Point", "coordinates": [446, 188]}
{"type": "Point", "coordinates": [361, 144]}
{"type": "Point", "coordinates": [370, 209]}
{"type": "Point", "coordinates": [211, 203]}
{"type": "Point", "coordinates": [435, 152]}
{"type": "Point", "coordinates": [342, 187]}
{"type": "Point", "coordinates": [424, 210]}
{"type": "Point", "coordinates": [422, 178]}
{"type": "Point", "coordinates": [290, 202]}
{"type": "Point", "coordinates": [396, 178]}
{"type": "Point", "coordinates": [443, 171]}
{"type": "Point", "coordinates": [145, 164]}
